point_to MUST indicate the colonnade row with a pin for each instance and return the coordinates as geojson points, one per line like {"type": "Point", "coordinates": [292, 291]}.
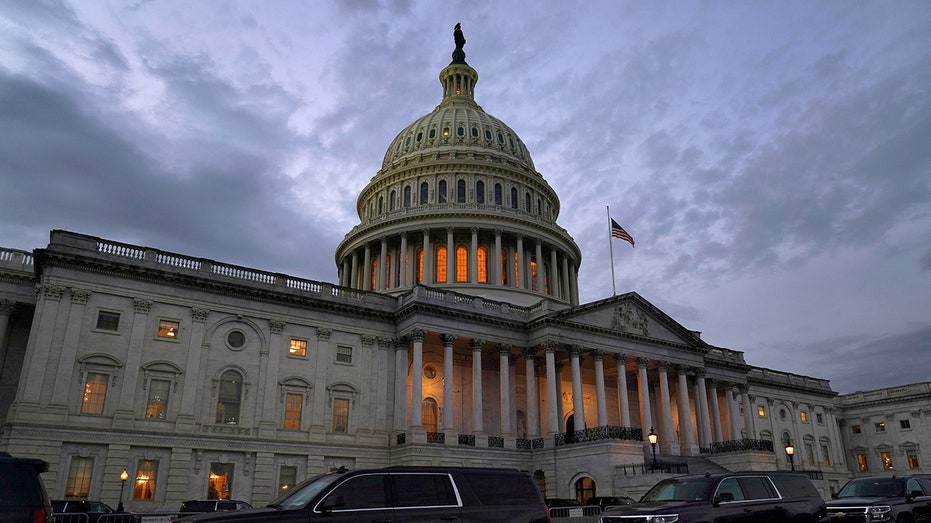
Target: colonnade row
{"type": "Point", "coordinates": [704, 413]}
{"type": "Point", "coordinates": [474, 256]}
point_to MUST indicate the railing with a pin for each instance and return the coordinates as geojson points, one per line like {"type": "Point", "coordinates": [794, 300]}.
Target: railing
{"type": "Point", "coordinates": [80, 517]}
{"type": "Point", "coordinates": [16, 257]}
{"type": "Point", "coordinates": [579, 514]}
{"type": "Point", "coordinates": [599, 433]}
{"type": "Point", "coordinates": [739, 445]}
{"type": "Point", "coordinates": [661, 467]}
{"type": "Point", "coordinates": [467, 440]}
{"type": "Point", "coordinates": [436, 437]}
{"type": "Point", "coordinates": [495, 442]}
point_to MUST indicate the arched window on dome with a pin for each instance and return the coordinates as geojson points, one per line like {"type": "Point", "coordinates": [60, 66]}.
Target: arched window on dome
{"type": "Point", "coordinates": [407, 196]}
{"type": "Point", "coordinates": [460, 191]}
{"type": "Point", "coordinates": [462, 264]}
{"type": "Point", "coordinates": [392, 200]}
{"type": "Point", "coordinates": [533, 274]}
{"type": "Point", "coordinates": [527, 202]}
{"type": "Point", "coordinates": [482, 264]}
{"type": "Point", "coordinates": [539, 207]}
{"type": "Point", "coordinates": [504, 267]}
{"type": "Point", "coordinates": [441, 192]}
{"type": "Point", "coordinates": [381, 205]}
{"type": "Point", "coordinates": [374, 275]}
{"type": "Point", "coordinates": [424, 192]}
{"type": "Point", "coordinates": [387, 271]}
{"type": "Point", "coordinates": [513, 197]}
{"type": "Point", "coordinates": [498, 194]}
{"type": "Point", "coordinates": [479, 192]}
{"type": "Point", "coordinates": [440, 264]}
{"type": "Point", "coordinates": [419, 271]}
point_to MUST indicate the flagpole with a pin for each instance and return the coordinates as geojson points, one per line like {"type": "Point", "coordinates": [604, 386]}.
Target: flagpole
{"type": "Point", "coordinates": [611, 248]}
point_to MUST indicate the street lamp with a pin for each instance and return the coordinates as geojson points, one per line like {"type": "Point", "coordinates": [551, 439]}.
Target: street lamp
{"type": "Point", "coordinates": [652, 437]}
{"type": "Point", "coordinates": [123, 477]}
{"type": "Point", "coordinates": [790, 451]}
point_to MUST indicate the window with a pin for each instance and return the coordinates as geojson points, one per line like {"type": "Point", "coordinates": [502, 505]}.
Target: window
{"type": "Point", "coordinates": [905, 424]}
{"type": "Point", "coordinates": [862, 463]}
{"type": "Point", "coordinates": [498, 194]}
{"type": "Point", "coordinates": [911, 455]}
{"type": "Point", "coordinates": [584, 489]}
{"type": "Point", "coordinates": [533, 274]}
{"type": "Point", "coordinates": [108, 321]}
{"type": "Point", "coordinates": [479, 192]}
{"type": "Point", "coordinates": [95, 392]}
{"type": "Point", "coordinates": [79, 477]}
{"type": "Point", "coordinates": [236, 339]}
{"type": "Point", "coordinates": [381, 204]}
{"type": "Point", "coordinates": [146, 473]}
{"type": "Point", "coordinates": [293, 405]}
{"type": "Point", "coordinates": [230, 396]}
{"type": "Point", "coordinates": [461, 191]}
{"type": "Point", "coordinates": [527, 202]}
{"type": "Point", "coordinates": [855, 429]}
{"type": "Point", "coordinates": [168, 329]}
{"type": "Point", "coordinates": [392, 200]}
{"type": "Point", "coordinates": [761, 411]}
{"type": "Point", "coordinates": [819, 418]}
{"type": "Point", "coordinates": [424, 192]}
{"type": "Point", "coordinates": [886, 458]}
{"type": "Point", "coordinates": [513, 197]}
{"type": "Point", "coordinates": [340, 415]}
{"type": "Point", "coordinates": [441, 264]}
{"type": "Point", "coordinates": [441, 192]}
{"type": "Point", "coordinates": [220, 480]}
{"type": "Point", "coordinates": [483, 264]}
{"type": "Point", "coordinates": [462, 264]}
{"type": "Point", "coordinates": [374, 487]}
{"type": "Point", "coordinates": [517, 269]}
{"type": "Point", "coordinates": [374, 274]}
{"type": "Point", "coordinates": [504, 267]}
{"type": "Point", "coordinates": [407, 196]}
{"type": "Point", "coordinates": [809, 453]}
{"type": "Point", "coordinates": [428, 414]}
{"type": "Point", "coordinates": [880, 427]}
{"type": "Point", "coordinates": [803, 416]}
{"type": "Point", "coordinates": [287, 478]}
{"type": "Point", "coordinates": [825, 452]}
{"type": "Point", "coordinates": [343, 354]}
{"type": "Point", "coordinates": [157, 402]}
{"type": "Point", "coordinates": [419, 264]}
{"type": "Point", "coordinates": [298, 348]}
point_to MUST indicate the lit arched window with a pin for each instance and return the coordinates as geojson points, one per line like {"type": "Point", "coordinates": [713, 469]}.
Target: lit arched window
{"type": "Point", "coordinates": [428, 416]}
{"type": "Point", "coordinates": [407, 196]}
{"type": "Point", "coordinates": [424, 192]}
{"type": "Point", "coordinates": [441, 192]}
{"type": "Point", "coordinates": [516, 269]}
{"type": "Point", "coordinates": [584, 489]}
{"type": "Point", "coordinates": [461, 191]}
{"type": "Point", "coordinates": [513, 197]}
{"type": "Point", "coordinates": [483, 264]}
{"type": "Point", "coordinates": [533, 274]}
{"type": "Point", "coordinates": [440, 264]}
{"type": "Point", "coordinates": [229, 398]}
{"type": "Point", "coordinates": [462, 263]}
{"type": "Point", "coordinates": [479, 192]}
{"type": "Point", "coordinates": [374, 274]}
{"type": "Point", "coordinates": [498, 194]}
{"type": "Point", "coordinates": [504, 267]}
{"type": "Point", "coordinates": [419, 264]}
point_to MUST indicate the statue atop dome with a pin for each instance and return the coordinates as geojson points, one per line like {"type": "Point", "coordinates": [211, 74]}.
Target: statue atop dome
{"type": "Point", "coordinates": [458, 53]}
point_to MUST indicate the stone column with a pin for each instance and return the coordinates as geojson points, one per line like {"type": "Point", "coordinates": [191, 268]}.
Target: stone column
{"type": "Point", "coordinates": [39, 346]}
{"type": "Point", "coordinates": [578, 402]}
{"type": "Point", "coordinates": [448, 399]}
{"type": "Point", "coordinates": [427, 258]}
{"type": "Point", "coordinates": [354, 275]}
{"type": "Point", "coordinates": [473, 257]}
{"type": "Point", "coordinates": [496, 263]}
{"type": "Point", "coordinates": [643, 386]}
{"type": "Point", "coordinates": [477, 346]}
{"type": "Point", "coordinates": [504, 354]}
{"type": "Point", "coordinates": [748, 413]}
{"type": "Point", "coordinates": [417, 337]}
{"type": "Point", "coordinates": [124, 413]}
{"type": "Point", "coordinates": [700, 413]}
{"type": "Point", "coordinates": [541, 269]}
{"type": "Point", "coordinates": [367, 269]}
{"type": "Point", "coordinates": [533, 418]}
{"type": "Point", "coordinates": [383, 267]}
{"type": "Point", "coordinates": [268, 367]}
{"type": "Point", "coordinates": [67, 357]}
{"type": "Point", "coordinates": [573, 284]}
{"type": "Point", "coordinates": [718, 435]}
{"type": "Point", "coordinates": [601, 401]}
{"type": "Point", "coordinates": [702, 397]}
{"type": "Point", "coordinates": [623, 399]}
{"type": "Point", "coordinates": [521, 276]}
{"type": "Point", "coordinates": [404, 276]}
{"type": "Point", "coordinates": [551, 395]}
{"type": "Point", "coordinates": [400, 384]}
{"type": "Point", "coordinates": [193, 373]}
{"type": "Point", "coordinates": [565, 279]}
{"type": "Point", "coordinates": [321, 362]}
{"type": "Point", "coordinates": [554, 273]}
{"type": "Point", "coordinates": [381, 374]}
{"type": "Point", "coordinates": [689, 448]}
{"type": "Point", "coordinates": [450, 256]}
{"type": "Point", "coordinates": [6, 309]}
{"type": "Point", "coordinates": [667, 435]}
{"type": "Point", "coordinates": [394, 278]}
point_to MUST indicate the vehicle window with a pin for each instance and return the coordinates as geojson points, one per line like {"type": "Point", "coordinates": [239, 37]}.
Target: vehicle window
{"type": "Point", "coordinates": [731, 486]}
{"type": "Point", "coordinates": [677, 490]}
{"type": "Point", "coordinates": [226, 505]}
{"type": "Point", "coordinates": [872, 487]}
{"type": "Point", "coordinates": [96, 507]}
{"type": "Point", "coordinates": [493, 489]}
{"type": "Point", "coordinates": [925, 485]}
{"type": "Point", "coordinates": [361, 492]}
{"type": "Point", "coordinates": [795, 486]}
{"type": "Point", "coordinates": [912, 485]}
{"type": "Point", "coordinates": [424, 490]}
{"type": "Point", "coordinates": [301, 495]}
{"type": "Point", "coordinates": [756, 488]}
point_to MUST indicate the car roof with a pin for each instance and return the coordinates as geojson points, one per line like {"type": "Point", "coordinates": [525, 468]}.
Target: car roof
{"type": "Point", "coordinates": [39, 464]}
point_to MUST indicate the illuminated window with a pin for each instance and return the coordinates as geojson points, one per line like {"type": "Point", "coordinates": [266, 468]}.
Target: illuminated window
{"type": "Point", "coordinates": [483, 264]}
{"type": "Point", "coordinates": [761, 411]}
{"type": "Point", "coordinates": [498, 194]}
{"type": "Point", "coordinates": [79, 477]}
{"type": "Point", "coordinates": [441, 264]}
{"type": "Point", "coordinates": [374, 273]}
{"type": "Point", "coordinates": [584, 489]}
{"type": "Point", "coordinates": [428, 416]}
{"type": "Point", "coordinates": [441, 192]}
{"type": "Point", "coordinates": [533, 274]}
{"type": "Point", "coordinates": [108, 321]}
{"type": "Point", "coordinates": [517, 269]}
{"type": "Point", "coordinates": [855, 429]}
{"type": "Point", "coordinates": [825, 452]}
{"type": "Point", "coordinates": [462, 263]}
{"type": "Point", "coordinates": [424, 192]}
{"type": "Point", "coordinates": [146, 472]}
{"type": "Point", "coordinates": [880, 427]}
{"type": "Point", "coordinates": [912, 456]}
{"type": "Point", "coordinates": [419, 264]}
{"type": "Point", "coordinates": [157, 403]}
{"type": "Point", "coordinates": [862, 463]}
{"type": "Point", "coordinates": [287, 478]}
{"type": "Point", "coordinates": [513, 197]}
{"type": "Point", "coordinates": [887, 460]}
{"type": "Point", "coordinates": [95, 392]}
{"type": "Point", "coordinates": [803, 415]}
{"type": "Point", "coordinates": [220, 481]}
{"type": "Point", "coordinates": [810, 453]}
{"type": "Point", "coordinates": [504, 267]}
{"type": "Point", "coordinates": [298, 348]}
{"type": "Point", "coordinates": [341, 415]}
{"type": "Point", "coordinates": [387, 271]}
{"type": "Point", "coordinates": [168, 329]}
{"type": "Point", "coordinates": [293, 407]}
{"type": "Point", "coordinates": [343, 354]}
{"type": "Point", "coordinates": [479, 192]}
{"type": "Point", "coordinates": [460, 191]}
{"type": "Point", "coordinates": [230, 396]}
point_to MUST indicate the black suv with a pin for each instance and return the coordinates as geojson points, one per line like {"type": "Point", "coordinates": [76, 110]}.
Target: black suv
{"type": "Point", "coordinates": [467, 495]}
{"type": "Point", "coordinates": [213, 505]}
{"type": "Point", "coordinates": [746, 497]}
{"type": "Point", "coordinates": [22, 494]}
{"type": "Point", "coordinates": [884, 498]}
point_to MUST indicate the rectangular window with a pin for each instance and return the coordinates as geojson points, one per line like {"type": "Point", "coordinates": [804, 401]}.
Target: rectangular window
{"type": "Point", "coordinates": [108, 321]}
{"type": "Point", "coordinates": [810, 454]}
{"type": "Point", "coordinates": [340, 415]}
{"type": "Point", "coordinates": [220, 481]}
{"type": "Point", "coordinates": [912, 456]}
{"type": "Point", "coordinates": [168, 329]}
{"type": "Point", "coordinates": [95, 391]}
{"type": "Point", "coordinates": [293, 405]}
{"type": "Point", "coordinates": [887, 460]}
{"type": "Point", "coordinates": [79, 477]}
{"type": "Point", "coordinates": [862, 463]}
{"type": "Point", "coordinates": [803, 415]}
{"type": "Point", "coordinates": [819, 418]}
{"type": "Point", "coordinates": [287, 477]}
{"type": "Point", "coordinates": [157, 403]}
{"type": "Point", "coordinates": [343, 354]}
{"type": "Point", "coordinates": [827, 456]}
{"type": "Point", "coordinates": [905, 424]}
{"type": "Point", "coordinates": [855, 429]}
{"type": "Point", "coordinates": [761, 411]}
{"type": "Point", "coordinates": [146, 473]}
{"type": "Point", "coordinates": [298, 348]}
{"type": "Point", "coordinates": [880, 427]}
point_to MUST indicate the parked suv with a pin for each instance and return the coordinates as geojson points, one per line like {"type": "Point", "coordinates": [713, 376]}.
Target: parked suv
{"type": "Point", "coordinates": [22, 494]}
{"type": "Point", "coordinates": [467, 495]}
{"type": "Point", "coordinates": [883, 498]}
{"type": "Point", "coordinates": [746, 497]}
{"type": "Point", "coordinates": [213, 505]}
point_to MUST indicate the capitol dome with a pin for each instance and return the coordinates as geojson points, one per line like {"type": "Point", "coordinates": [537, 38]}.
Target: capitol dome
{"type": "Point", "coordinates": [459, 205]}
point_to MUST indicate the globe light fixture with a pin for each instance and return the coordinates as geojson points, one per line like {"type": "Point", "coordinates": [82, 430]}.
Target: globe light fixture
{"type": "Point", "coordinates": [652, 437]}
{"type": "Point", "coordinates": [790, 451]}
{"type": "Point", "coordinates": [123, 477]}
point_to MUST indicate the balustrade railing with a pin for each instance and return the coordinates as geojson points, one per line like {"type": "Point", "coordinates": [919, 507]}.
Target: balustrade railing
{"type": "Point", "coordinates": [739, 445]}
{"type": "Point", "coordinates": [467, 440]}
{"type": "Point", "coordinates": [436, 437]}
{"type": "Point", "coordinates": [599, 433]}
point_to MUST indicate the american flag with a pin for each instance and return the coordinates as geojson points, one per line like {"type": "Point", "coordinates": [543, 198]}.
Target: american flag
{"type": "Point", "coordinates": [618, 232]}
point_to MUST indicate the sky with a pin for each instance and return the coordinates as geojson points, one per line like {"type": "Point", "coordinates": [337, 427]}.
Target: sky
{"type": "Point", "coordinates": [772, 159]}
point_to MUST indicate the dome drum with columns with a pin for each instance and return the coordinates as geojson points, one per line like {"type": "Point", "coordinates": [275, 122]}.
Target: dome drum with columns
{"type": "Point", "coordinates": [458, 204]}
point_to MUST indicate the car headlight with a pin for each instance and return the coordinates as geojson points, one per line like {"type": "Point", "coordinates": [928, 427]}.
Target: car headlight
{"type": "Point", "coordinates": [879, 512]}
{"type": "Point", "coordinates": [666, 518]}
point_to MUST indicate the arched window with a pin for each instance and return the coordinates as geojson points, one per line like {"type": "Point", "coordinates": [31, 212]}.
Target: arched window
{"type": "Point", "coordinates": [584, 489]}
{"type": "Point", "coordinates": [440, 264]}
{"type": "Point", "coordinates": [461, 191]}
{"type": "Point", "coordinates": [539, 207]}
{"type": "Point", "coordinates": [513, 197]}
{"type": "Point", "coordinates": [229, 398]}
{"type": "Point", "coordinates": [424, 192]}
{"type": "Point", "coordinates": [388, 271]}
{"type": "Point", "coordinates": [392, 200]}
{"type": "Point", "coordinates": [381, 204]}
{"type": "Point", "coordinates": [504, 267]}
{"type": "Point", "coordinates": [429, 414]}
{"type": "Point", "coordinates": [374, 275]}
{"type": "Point", "coordinates": [533, 274]}
{"type": "Point", "coordinates": [462, 263]}
{"type": "Point", "coordinates": [482, 264]}
{"type": "Point", "coordinates": [479, 192]}
{"type": "Point", "coordinates": [517, 269]}
{"type": "Point", "coordinates": [441, 192]}
{"type": "Point", "coordinates": [546, 277]}
{"type": "Point", "coordinates": [527, 202]}
{"type": "Point", "coordinates": [498, 194]}
{"type": "Point", "coordinates": [419, 275]}
{"type": "Point", "coordinates": [407, 196]}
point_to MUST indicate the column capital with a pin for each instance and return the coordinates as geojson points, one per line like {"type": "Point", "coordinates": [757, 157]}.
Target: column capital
{"type": "Point", "coordinates": [417, 335]}
{"type": "Point", "coordinates": [575, 350]}
{"type": "Point", "coordinates": [620, 359]}
{"type": "Point", "coordinates": [477, 344]}
{"type": "Point", "coordinates": [642, 362]}
{"type": "Point", "coordinates": [52, 292]}
{"type": "Point", "coordinates": [498, 232]}
{"type": "Point", "coordinates": [324, 334]}
{"type": "Point", "coordinates": [449, 230]}
{"type": "Point", "coordinates": [504, 348]}
{"type": "Point", "coordinates": [80, 296]}
{"type": "Point", "coordinates": [385, 342]}
{"type": "Point", "coordinates": [276, 326]}
{"type": "Point", "coordinates": [7, 306]}
{"type": "Point", "coordinates": [367, 340]}
{"type": "Point", "coordinates": [598, 354]}
{"type": "Point", "coordinates": [663, 365]}
{"type": "Point", "coordinates": [473, 230]}
{"type": "Point", "coordinates": [447, 339]}
{"type": "Point", "coordinates": [529, 353]}
{"type": "Point", "coordinates": [142, 306]}
{"type": "Point", "coordinates": [199, 314]}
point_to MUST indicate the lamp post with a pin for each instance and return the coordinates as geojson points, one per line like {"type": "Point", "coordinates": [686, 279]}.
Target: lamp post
{"type": "Point", "coordinates": [123, 477]}
{"type": "Point", "coordinates": [652, 437]}
{"type": "Point", "coordinates": [790, 451]}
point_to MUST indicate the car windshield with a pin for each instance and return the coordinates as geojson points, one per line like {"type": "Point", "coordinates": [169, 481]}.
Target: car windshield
{"type": "Point", "coordinates": [872, 488]}
{"type": "Point", "coordinates": [301, 494]}
{"type": "Point", "coordinates": [693, 489]}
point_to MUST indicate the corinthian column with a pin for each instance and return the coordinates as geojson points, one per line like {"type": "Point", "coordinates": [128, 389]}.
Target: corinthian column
{"type": "Point", "coordinates": [477, 346]}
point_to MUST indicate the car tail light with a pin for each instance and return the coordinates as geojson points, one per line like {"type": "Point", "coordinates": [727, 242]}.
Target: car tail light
{"type": "Point", "coordinates": [41, 516]}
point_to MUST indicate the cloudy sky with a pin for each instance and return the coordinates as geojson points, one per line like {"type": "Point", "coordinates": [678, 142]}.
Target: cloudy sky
{"type": "Point", "coordinates": [771, 159]}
